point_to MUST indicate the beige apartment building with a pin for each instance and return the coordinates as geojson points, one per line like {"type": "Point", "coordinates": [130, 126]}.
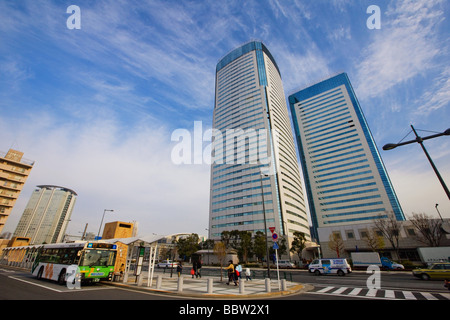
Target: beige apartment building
{"type": "Point", "coordinates": [14, 171]}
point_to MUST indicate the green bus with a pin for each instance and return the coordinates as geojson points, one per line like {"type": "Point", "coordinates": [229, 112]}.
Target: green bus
{"type": "Point", "coordinates": [92, 261]}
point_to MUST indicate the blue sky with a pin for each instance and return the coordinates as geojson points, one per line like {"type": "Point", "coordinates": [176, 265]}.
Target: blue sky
{"type": "Point", "coordinates": [95, 107]}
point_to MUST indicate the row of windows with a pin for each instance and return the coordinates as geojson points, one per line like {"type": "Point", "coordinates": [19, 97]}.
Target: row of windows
{"type": "Point", "coordinates": [341, 171]}
{"type": "Point", "coordinates": [309, 103]}
{"type": "Point", "coordinates": [240, 191]}
{"type": "Point", "coordinates": [346, 188]}
{"type": "Point", "coordinates": [237, 101]}
{"type": "Point", "coordinates": [242, 205]}
{"type": "Point", "coordinates": [258, 195]}
{"type": "Point", "coordinates": [247, 77]}
{"type": "Point", "coordinates": [348, 213]}
{"type": "Point", "coordinates": [240, 184]}
{"type": "Point", "coordinates": [337, 155]}
{"type": "Point", "coordinates": [233, 110]}
{"type": "Point", "coordinates": [340, 160]}
{"type": "Point", "coordinates": [355, 219]}
{"type": "Point", "coordinates": [350, 200]}
{"type": "Point", "coordinates": [254, 109]}
{"type": "Point", "coordinates": [367, 204]}
{"type": "Point", "coordinates": [240, 223]}
{"type": "Point", "coordinates": [307, 117]}
{"type": "Point", "coordinates": [242, 214]}
{"type": "Point", "coordinates": [233, 69]}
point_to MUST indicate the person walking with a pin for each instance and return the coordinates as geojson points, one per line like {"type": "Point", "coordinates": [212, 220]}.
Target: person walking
{"type": "Point", "coordinates": [238, 272]}
{"type": "Point", "coordinates": [194, 269]}
{"type": "Point", "coordinates": [230, 270]}
{"type": "Point", "coordinates": [248, 274]}
{"type": "Point", "coordinates": [199, 266]}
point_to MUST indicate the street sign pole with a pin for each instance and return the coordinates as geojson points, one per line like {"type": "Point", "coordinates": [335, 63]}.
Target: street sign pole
{"type": "Point", "coordinates": [275, 246]}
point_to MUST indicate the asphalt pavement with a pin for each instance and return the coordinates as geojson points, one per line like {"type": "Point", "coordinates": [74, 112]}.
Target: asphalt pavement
{"type": "Point", "coordinates": [211, 287]}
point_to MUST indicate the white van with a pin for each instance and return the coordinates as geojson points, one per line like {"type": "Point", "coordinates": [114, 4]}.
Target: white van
{"type": "Point", "coordinates": [325, 266]}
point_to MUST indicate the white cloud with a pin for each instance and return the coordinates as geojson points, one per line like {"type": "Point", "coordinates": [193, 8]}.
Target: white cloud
{"type": "Point", "coordinates": [130, 172]}
{"type": "Point", "coordinates": [404, 48]}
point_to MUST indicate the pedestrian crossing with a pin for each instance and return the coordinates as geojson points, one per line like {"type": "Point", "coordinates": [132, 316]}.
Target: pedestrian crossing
{"type": "Point", "coordinates": [380, 293]}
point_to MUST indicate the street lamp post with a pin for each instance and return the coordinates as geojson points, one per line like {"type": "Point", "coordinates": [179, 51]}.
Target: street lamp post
{"type": "Point", "coordinates": [265, 224]}
{"type": "Point", "coordinates": [420, 140]}
{"type": "Point", "coordinates": [101, 223]}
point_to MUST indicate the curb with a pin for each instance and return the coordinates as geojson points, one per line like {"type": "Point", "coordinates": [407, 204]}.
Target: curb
{"type": "Point", "coordinates": [299, 288]}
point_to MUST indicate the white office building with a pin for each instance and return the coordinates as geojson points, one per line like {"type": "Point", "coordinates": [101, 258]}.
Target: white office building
{"type": "Point", "coordinates": [255, 177]}
{"type": "Point", "coordinates": [346, 181]}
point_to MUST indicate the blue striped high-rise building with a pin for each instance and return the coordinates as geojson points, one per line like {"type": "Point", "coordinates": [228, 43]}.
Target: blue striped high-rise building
{"type": "Point", "coordinates": [345, 179]}
{"type": "Point", "coordinates": [255, 181]}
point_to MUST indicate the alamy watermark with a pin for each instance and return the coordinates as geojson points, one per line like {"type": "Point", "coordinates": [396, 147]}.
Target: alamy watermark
{"type": "Point", "coordinates": [231, 146]}
{"type": "Point", "coordinates": [74, 20]}
{"type": "Point", "coordinates": [374, 21]}
{"type": "Point", "coordinates": [374, 280]}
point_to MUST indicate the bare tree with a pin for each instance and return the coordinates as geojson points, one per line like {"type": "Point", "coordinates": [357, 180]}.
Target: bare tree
{"type": "Point", "coordinates": [336, 243]}
{"type": "Point", "coordinates": [390, 228]}
{"type": "Point", "coordinates": [220, 251]}
{"type": "Point", "coordinates": [430, 230]}
{"type": "Point", "coordinates": [375, 241]}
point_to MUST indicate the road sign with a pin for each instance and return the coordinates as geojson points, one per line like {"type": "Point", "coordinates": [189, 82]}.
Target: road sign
{"type": "Point", "coordinates": [272, 229]}
{"type": "Point", "coordinates": [274, 236]}
{"type": "Point", "coordinates": [275, 246]}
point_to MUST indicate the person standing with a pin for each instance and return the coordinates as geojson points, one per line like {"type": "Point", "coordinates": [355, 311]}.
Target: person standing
{"type": "Point", "coordinates": [179, 269]}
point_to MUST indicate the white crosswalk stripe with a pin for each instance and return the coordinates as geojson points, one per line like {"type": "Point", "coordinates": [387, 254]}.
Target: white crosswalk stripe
{"type": "Point", "coordinates": [382, 294]}
{"type": "Point", "coordinates": [355, 291]}
{"type": "Point", "coordinates": [408, 295]}
{"type": "Point", "coordinates": [390, 294]}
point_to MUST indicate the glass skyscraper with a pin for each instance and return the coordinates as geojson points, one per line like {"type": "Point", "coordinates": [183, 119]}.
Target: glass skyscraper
{"type": "Point", "coordinates": [255, 177]}
{"type": "Point", "coordinates": [47, 214]}
{"type": "Point", "coordinates": [345, 178]}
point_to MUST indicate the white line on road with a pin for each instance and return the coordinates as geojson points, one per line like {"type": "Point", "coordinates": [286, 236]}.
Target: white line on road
{"type": "Point", "coordinates": [60, 291]}
{"type": "Point", "coordinates": [35, 284]}
{"type": "Point", "coordinates": [389, 294]}
{"type": "Point", "coordinates": [408, 295]}
{"type": "Point", "coordinates": [355, 291]}
{"type": "Point", "coordinates": [325, 289]}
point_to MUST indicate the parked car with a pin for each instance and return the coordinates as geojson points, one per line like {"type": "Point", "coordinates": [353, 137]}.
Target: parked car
{"type": "Point", "coordinates": [439, 270]}
{"type": "Point", "coordinates": [285, 264]}
{"type": "Point", "coordinates": [167, 264]}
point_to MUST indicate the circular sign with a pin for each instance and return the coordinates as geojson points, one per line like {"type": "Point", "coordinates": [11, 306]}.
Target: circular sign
{"type": "Point", "coordinates": [274, 236]}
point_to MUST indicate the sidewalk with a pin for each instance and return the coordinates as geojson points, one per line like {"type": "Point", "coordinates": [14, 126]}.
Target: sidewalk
{"type": "Point", "coordinates": [210, 287]}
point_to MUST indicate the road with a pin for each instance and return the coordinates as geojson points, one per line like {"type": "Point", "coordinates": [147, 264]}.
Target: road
{"type": "Point", "coordinates": [392, 285]}
{"type": "Point", "coordinates": [20, 285]}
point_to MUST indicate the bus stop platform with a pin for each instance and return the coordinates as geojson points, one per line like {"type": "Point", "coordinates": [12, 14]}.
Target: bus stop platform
{"type": "Point", "coordinates": [211, 287]}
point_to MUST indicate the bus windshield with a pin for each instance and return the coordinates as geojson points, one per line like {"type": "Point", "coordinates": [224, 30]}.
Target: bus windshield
{"type": "Point", "coordinates": [96, 257]}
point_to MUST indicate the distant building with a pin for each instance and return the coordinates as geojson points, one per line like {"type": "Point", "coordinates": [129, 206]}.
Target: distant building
{"type": "Point", "coordinates": [118, 229]}
{"type": "Point", "coordinates": [346, 181]}
{"type": "Point", "coordinates": [47, 214]}
{"type": "Point", "coordinates": [14, 171]}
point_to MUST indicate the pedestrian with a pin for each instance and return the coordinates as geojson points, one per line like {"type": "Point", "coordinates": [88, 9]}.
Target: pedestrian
{"type": "Point", "coordinates": [199, 266]}
{"type": "Point", "coordinates": [238, 272]}
{"type": "Point", "coordinates": [194, 269]}
{"type": "Point", "coordinates": [179, 269]}
{"type": "Point", "coordinates": [248, 274]}
{"type": "Point", "coordinates": [230, 270]}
